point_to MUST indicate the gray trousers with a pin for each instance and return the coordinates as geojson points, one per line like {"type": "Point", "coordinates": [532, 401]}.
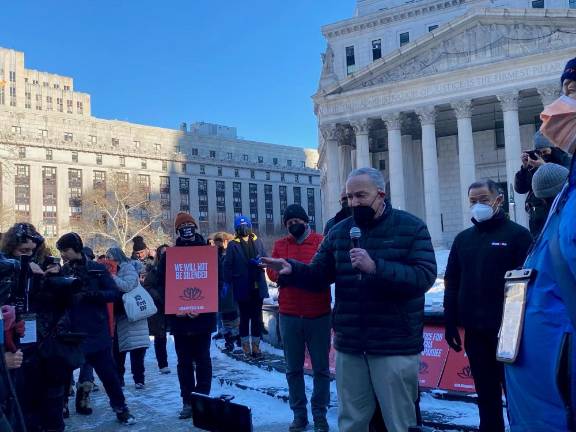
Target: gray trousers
{"type": "Point", "coordinates": [314, 334]}
{"type": "Point", "coordinates": [365, 380]}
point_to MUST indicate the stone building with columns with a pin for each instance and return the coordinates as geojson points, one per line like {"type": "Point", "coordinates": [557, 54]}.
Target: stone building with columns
{"type": "Point", "coordinates": [437, 94]}
{"type": "Point", "coordinates": [53, 151]}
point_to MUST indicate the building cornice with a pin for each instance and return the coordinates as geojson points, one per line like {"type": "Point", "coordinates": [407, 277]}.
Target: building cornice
{"type": "Point", "coordinates": [386, 17]}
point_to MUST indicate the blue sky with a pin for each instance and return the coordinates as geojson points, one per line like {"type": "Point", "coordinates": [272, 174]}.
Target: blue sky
{"type": "Point", "coordinates": [251, 64]}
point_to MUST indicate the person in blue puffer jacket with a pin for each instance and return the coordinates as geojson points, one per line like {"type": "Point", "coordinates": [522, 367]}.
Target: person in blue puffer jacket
{"type": "Point", "coordinates": [541, 383]}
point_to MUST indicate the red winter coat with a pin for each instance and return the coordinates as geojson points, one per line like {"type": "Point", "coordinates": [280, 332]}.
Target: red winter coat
{"type": "Point", "coordinates": [295, 301]}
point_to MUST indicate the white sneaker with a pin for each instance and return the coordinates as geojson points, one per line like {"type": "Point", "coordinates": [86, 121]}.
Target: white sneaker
{"type": "Point", "coordinates": [165, 371]}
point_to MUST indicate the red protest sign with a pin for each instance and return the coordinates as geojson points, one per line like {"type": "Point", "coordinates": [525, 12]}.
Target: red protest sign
{"type": "Point", "coordinates": [433, 357]}
{"type": "Point", "coordinates": [191, 280]}
{"type": "Point", "coordinates": [457, 375]}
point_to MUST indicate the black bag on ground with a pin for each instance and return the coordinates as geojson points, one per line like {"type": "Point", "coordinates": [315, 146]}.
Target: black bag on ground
{"type": "Point", "coordinates": [218, 414]}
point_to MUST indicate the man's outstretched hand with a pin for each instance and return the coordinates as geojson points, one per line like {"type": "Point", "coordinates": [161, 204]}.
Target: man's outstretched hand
{"type": "Point", "coordinates": [280, 265]}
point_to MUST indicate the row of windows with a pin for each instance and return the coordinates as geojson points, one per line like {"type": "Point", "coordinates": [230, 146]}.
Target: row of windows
{"type": "Point", "coordinates": [403, 39]}
{"type": "Point", "coordinates": [93, 140]}
{"type": "Point", "coordinates": [49, 155]}
{"type": "Point", "coordinates": [44, 83]}
{"type": "Point", "coordinates": [50, 105]}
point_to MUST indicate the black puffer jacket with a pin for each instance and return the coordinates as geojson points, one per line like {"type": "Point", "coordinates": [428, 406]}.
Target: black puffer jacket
{"type": "Point", "coordinates": [380, 314]}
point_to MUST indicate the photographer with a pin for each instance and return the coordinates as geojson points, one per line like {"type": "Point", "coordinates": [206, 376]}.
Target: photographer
{"type": "Point", "coordinates": [41, 307]}
{"type": "Point", "coordinates": [89, 315]}
{"type": "Point", "coordinates": [544, 152]}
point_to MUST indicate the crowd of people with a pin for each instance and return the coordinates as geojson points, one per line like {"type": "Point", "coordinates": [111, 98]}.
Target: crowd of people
{"type": "Point", "coordinates": [66, 313]}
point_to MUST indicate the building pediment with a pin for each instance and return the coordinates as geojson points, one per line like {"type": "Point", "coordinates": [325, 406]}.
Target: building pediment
{"type": "Point", "coordinates": [483, 36]}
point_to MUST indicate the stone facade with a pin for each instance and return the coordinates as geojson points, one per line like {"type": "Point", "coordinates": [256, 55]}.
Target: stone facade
{"type": "Point", "coordinates": [54, 150]}
{"type": "Point", "coordinates": [458, 103]}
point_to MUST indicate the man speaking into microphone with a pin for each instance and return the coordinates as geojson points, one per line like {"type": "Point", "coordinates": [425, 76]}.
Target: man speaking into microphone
{"type": "Point", "coordinates": [381, 277]}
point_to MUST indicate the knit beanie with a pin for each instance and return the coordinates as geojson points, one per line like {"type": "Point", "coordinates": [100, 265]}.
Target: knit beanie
{"type": "Point", "coordinates": [70, 240]}
{"type": "Point", "coordinates": [242, 220]}
{"type": "Point", "coordinates": [139, 244]}
{"type": "Point", "coordinates": [569, 71]}
{"type": "Point", "coordinates": [541, 142]}
{"type": "Point", "coordinates": [182, 218]}
{"type": "Point", "coordinates": [295, 211]}
{"type": "Point", "coordinates": [548, 180]}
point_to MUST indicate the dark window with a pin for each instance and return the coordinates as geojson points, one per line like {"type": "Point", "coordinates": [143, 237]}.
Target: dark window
{"type": "Point", "coordinates": [165, 193]}
{"type": "Point", "coordinates": [75, 156]}
{"type": "Point", "coordinates": [144, 164]}
{"type": "Point", "coordinates": [289, 162]}
{"type": "Point", "coordinates": [203, 203]}
{"type": "Point", "coordinates": [350, 60]}
{"type": "Point", "coordinates": [237, 198]}
{"type": "Point", "coordinates": [274, 161]}
{"type": "Point", "coordinates": [203, 169]}
{"type": "Point", "coordinates": [310, 179]}
{"type": "Point", "coordinates": [22, 192]}
{"type": "Point", "coordinates": [311, 208]}
{"type": "Point", "coordinates": [221, 204]}
{"type": "Point", "coordinates": [75, 192]}
{"type": "Point", "coordinates": [99, 180]}
{"type": "Point", "coordinates": [538, 4]}
{"type": "Point", "coordinates": [184, 185]}
{"type": "Point", "coordinates": [164, 165]}
{"type": "Point", "coordinates": [184, 167]}
{"type": "Point", "coordinates": [22, 152]}
{"type": "Point", "coordinates": [236, 172]}
{"type": "Point", "coordinates": [269, 208]}
{"type": "Point", "coordinates": [122, 161]}
{"type": "Point", "coordinates": [267, 175]}
{"type": "Point", "coordinates": [98, 159]}
{"type": "Point", "coordinates": [432, 27]}
{"type": "Point", "coordinates": [297, 195]}
{"type": "Point", "coordinates": [194, 152]}
{"type": "Point", "coordinates": [253, 196]}
{"type": "Point", "coordinates": [382, 164]}
{"type": "Point", "coordinates": [220, 171]}
{"type": "Point", "coordinates": [212, 154]}
{"type": "Point", "coordinates": [499, 134]}
{"type": "Point", "coordinates": [376, 49]}
{"type": "Point", "coordinates": [115, 142]}
{"type": "Point", "coordinates": [48, 154]}
{"type": "Point", "coordinates": [252, 174]}
{"type": "Point", "coordinates": [260, 159]}
{"type": "Point", "coordinates": [282, 177]}
{"type": "Point", "coordinates": [49, 201]}
{"type": "Point", "coordinates": [283, 195]}
{"type": "Point", "coordinates": [404, 38]}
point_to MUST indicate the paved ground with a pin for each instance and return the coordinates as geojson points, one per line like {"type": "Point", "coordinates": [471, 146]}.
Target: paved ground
{"type": "Point", "coordinates": [261, 387]}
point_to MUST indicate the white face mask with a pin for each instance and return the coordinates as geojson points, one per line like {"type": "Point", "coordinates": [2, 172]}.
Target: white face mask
{"type": "Point", "coordinates": [482, 212]}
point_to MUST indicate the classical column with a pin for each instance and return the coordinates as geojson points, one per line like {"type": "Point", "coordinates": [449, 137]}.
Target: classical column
{"type": "Point", "coordinates": [361, 128]}
{"type": "Point", "coordinates": [549, 94]}
{"type": "Point", "coordinates": [427, 117]}
{"type": "Point", "coordinates": [332, 135]}
{"type": "Point", "coordinates": [513, 150]}
{"type": "Point", "coordinates": [466, 158]}
{"type": "Point", "coordinates": [345, 150]}
{"type": "Point", "coordinates": [396, 161]}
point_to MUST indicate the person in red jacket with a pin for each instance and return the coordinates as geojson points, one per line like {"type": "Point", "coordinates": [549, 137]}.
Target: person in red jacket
{"type": "Point", "coordinates": [304, 323]}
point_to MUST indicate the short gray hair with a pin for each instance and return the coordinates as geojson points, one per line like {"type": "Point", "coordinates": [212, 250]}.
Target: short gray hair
{"type": "Point", "coordinates": [375, 175]}
{"type": "Point", "coordinates": [117, 255]}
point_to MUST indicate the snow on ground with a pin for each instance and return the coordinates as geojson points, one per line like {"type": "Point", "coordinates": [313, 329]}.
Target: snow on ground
{"type": "Point", "coordinates": [265, 391]}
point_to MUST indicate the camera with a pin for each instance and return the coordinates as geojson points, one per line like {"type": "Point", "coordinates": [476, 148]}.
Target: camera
{"type": "Point", "coordinates": [533, 154]}
{"type": "Point", "coordinates": [52, 260]}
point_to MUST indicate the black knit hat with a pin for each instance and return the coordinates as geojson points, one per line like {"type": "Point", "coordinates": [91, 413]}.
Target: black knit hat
{"type": "Point", "coordinates": [295, 211]}
{"type": "Point", "coordinates": [70, 240]}
{"type": "Point", "coordinates": [139, 244]}
{"type": "Point", "coordinates": [569, 71]}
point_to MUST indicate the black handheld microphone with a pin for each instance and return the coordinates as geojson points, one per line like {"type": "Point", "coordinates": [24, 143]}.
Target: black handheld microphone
{"type": "Point", "coordinates": [355, 234]}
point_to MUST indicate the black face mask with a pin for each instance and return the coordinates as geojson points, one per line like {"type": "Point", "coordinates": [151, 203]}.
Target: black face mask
{"type": "Point", "coordinates": [186, 233]}
{"type": "Point", "coordinates": [297, 230]}
{"type": "Point", "coordinates": [364, 215]}
{"type": "Point", "coordinates": [243, 231]}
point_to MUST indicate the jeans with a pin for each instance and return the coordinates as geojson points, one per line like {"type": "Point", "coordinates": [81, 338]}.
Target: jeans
{"type": "Point", "coordinates": [194, 364]}
{"type": "Point", "coordinates": [86, 373]}
{"type": "Point", "coordinates": [363, 381]}
{"type": "Point", "coordinates": [251, 315]}
{"type": "Point", "coordinates": [314, 334]}
{"type": "Point", "coordinates": [488, 373]}
{"type": "Point", "coordinates": [136, 364]}
{"type": "Point", "coordinates": [104, 366]}
{"type": "Point", "coordinates": [160, 351]}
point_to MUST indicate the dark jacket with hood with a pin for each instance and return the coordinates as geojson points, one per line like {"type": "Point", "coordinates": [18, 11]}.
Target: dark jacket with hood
{"type": "Point", "coordinates": [203, 323]}
{"type": "Point", "coordinates": [474, 279]}
{"type": "Point", "coordinates": [241, 272]}
{"type": "Point", "coordinates": [381, 313]}
{"type": "Point", "coordinates": [89, 313]}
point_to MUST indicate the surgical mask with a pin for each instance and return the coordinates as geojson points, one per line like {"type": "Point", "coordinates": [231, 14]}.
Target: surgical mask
{"type": "Point", "coordinates": [482, 212]}
{"type": "Point", "coordinates": [186, 232]}
{"type": "Point", "coordinates": [297, 230]}
{"type": "Point", "coordinates": [559, 123]}
{"type": "Point", "coordinates": [364, 215]}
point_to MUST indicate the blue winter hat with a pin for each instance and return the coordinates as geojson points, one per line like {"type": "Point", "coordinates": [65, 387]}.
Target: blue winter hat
{"type": "Point", "coordinates": [569, 71]}
{"type": "Point", "coordinates": [242, 220]}
{"type": "Point", "coordinates": [540, 141]}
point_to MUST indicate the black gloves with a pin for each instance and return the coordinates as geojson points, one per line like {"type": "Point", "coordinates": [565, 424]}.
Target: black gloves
{"type": "Point", "coordinates": [453, 338]}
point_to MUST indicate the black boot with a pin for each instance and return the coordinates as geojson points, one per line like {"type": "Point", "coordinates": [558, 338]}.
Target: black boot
{"type": "Point", "coordinates": [83, 398]}
{"type": "Point", "coordinates": [229, 343]}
